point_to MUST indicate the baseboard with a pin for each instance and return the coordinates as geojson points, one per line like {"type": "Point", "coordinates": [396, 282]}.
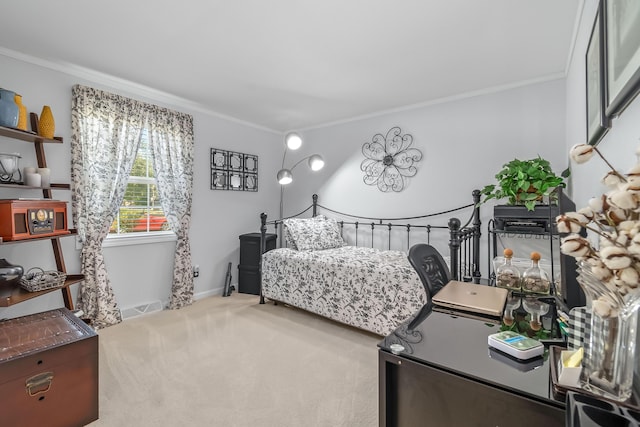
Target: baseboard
{"type": "Point", "coordinates": [212, 292]}
{"type": "Point", "coordinates": [152, 307]}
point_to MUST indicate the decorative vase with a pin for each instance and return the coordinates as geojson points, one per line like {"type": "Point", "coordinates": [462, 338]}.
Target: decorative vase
{"type": "Point", "coordinates": [46, 124]}
{"type": "Point", "coordinates": [610, 348]}
{"type": "Point", "coordinates": [22, 113]}
{"type": "Point", "coordinates": [9, 273]}
{"type": "Point", "coordinates": [8, 109]}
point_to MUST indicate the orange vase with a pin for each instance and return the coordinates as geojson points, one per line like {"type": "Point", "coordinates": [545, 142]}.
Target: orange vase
{"type": "Point", "coordinates": [22, 113]}
{"type": "Point", "coordinates": [46, 124]}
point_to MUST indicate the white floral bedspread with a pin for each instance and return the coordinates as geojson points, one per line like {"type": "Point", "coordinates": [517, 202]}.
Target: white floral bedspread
{"type": "Point", "coordinates": [363, 287]}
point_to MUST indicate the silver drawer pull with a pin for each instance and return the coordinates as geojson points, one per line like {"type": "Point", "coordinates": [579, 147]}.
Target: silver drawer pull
{"type": "Point", "coordinates": [40, 383]}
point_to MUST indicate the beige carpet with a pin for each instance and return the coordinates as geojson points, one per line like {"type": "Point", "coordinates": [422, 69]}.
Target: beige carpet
{"type": "Point", "coordinates": [232, 362]}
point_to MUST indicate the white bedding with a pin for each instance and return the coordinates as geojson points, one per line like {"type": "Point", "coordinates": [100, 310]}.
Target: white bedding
{"type": "Point", "coordinates": [364, 287]}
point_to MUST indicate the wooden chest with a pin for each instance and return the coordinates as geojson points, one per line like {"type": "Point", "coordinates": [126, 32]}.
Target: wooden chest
{"type": "Point", "coordinates": [48, 371]}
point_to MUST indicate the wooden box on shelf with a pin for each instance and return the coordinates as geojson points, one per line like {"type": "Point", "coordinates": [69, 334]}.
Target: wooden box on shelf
{"type": "Point", "coordinates": [48, 370]}
{"type": "Point", "coordinates": [26, 219]}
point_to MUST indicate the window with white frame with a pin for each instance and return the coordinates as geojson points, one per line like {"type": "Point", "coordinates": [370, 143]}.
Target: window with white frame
{"type": "Point", "coordinates": [140, 211]}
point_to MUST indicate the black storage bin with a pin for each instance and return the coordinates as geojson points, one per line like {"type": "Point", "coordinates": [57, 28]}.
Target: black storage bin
{"type": "Point", "coordinates": [249, 267]}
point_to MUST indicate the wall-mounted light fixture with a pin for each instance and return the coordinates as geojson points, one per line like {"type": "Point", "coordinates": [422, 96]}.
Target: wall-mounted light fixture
{"type": "Point", "coordinates": [293, 141]}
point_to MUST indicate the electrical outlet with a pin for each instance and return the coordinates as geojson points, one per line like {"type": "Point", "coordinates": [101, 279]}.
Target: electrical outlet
{"type": "Point", "coordinates": [196, 270]}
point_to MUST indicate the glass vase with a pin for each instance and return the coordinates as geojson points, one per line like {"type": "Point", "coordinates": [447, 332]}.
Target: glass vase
{"type": "Point", "coordinates": [507, 275]}
{"type": "Point", "coordinates": [534, 279]}
{"type": "Point", "coordinates": [609, 351]}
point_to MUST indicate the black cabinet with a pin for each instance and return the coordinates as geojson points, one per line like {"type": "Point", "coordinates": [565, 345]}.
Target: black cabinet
{"type": "Point", "coordinates": [249, 267]}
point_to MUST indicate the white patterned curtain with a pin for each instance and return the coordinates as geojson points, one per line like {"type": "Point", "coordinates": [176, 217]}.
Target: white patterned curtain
{"type": "Point", "coordinates": [171, 142]}
{"type": "Point", "coordinates": [106, 130]}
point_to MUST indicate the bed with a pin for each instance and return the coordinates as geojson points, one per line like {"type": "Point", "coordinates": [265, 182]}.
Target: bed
{"type": "Point", "coordinates": [354, 269]}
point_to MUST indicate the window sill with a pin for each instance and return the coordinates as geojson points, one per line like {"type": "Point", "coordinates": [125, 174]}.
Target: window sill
{"type": "Point", "coordinates": [139, 239]}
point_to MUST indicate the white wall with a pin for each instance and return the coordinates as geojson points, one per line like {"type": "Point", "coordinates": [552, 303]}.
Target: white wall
{"type": "Point", "coordinates": [143, 273]}
{"type": "Point", "coordinates": [464, 143]}
{"type": "Point", "coordinates": [621, 141]}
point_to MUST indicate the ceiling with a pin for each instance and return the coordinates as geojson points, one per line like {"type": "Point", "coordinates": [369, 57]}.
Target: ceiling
{"type": "Point", "coordinates": [296, 64]}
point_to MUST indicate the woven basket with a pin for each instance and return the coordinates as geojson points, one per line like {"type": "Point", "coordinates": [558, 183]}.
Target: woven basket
{"type": "Point", "coordinates": [36, 279]}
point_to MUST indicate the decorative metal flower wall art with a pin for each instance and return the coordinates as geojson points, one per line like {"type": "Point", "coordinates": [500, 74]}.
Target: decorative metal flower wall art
{"type": "Point", "coordinates": [389, 160]}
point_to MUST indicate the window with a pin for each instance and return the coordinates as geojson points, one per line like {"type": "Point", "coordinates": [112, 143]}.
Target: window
{"type": "Point", "coordinates": [140, 211]}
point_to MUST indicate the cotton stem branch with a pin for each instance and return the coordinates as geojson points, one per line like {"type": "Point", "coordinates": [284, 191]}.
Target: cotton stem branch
{"type": "Point", "coordinates": [618, 174]}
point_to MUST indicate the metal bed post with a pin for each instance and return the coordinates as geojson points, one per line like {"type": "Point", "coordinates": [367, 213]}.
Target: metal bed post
{"type": "Point", "coordinates": [476, 236]}
{"type": "Point", "coordinates": [263, 248]}
{"type": "Point", "coordinates": [454, 246]}
{"type": "Point", "coordinates": [372, 227]}
{"type": "Point", "coordinates": [408, 236]}
{"type": "Point", "coordinates": [314, 198]}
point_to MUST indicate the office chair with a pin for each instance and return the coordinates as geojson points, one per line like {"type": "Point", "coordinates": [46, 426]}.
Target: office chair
{"type": "Point", "coordinates": [430, 266]}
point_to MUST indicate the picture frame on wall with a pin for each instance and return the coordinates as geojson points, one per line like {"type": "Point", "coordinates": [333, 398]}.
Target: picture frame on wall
{"type": "Point", "coordinates": [233, 171]}
{"type": "Point", "coordinates": [622, 51]}
{"type": "Point", "coordinates": [597, 121]}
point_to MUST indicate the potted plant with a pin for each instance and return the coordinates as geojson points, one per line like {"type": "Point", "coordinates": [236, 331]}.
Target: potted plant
{"type": "Point", "coordinates": [524, 182]}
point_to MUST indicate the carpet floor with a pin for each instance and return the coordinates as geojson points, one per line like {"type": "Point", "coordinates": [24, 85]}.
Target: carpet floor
{"type": "Point", "coordinates": [233, 362]}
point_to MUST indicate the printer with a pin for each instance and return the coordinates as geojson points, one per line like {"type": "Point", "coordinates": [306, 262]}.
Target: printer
{"type": "Point", "coordinates": [516, 218]}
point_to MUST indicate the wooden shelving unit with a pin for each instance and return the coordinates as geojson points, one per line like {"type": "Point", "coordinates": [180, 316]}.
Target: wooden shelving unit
{"type": "Point", "coordinates": [26, 187]}
{"type": "Point", "coordinates": [72, 232]}
{"type": "Point", "coordinates": [14, 295]}
{"type": "Point", "coordinates": [26, 136]}
{"type": "Point", "coordinates": [11, 295]}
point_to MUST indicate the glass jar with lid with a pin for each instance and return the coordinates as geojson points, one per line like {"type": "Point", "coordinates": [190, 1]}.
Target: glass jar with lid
{"type": "Point", "coordinates": [507, 275]}
{"type": "Point", "coordinates": [534, 279]}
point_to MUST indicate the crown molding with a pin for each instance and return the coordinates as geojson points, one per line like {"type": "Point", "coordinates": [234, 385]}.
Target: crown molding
{"type": "Point", "coordinates": [444, 100]}
{"type": "Point", "coordinates": [126, 85]}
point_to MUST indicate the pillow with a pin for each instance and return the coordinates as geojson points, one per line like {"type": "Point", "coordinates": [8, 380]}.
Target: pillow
{"type": "Point", "coordinates": [312, 234]}
{"type": "Point", "coordinates": [291, 244]}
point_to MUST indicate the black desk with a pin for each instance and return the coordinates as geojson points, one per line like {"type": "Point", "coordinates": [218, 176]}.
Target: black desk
{"type": "Point", "coordinates": [445, 376]}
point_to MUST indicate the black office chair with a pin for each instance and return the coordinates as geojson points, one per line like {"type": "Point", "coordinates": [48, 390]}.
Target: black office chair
{"type": "Point", "coordinates": [430, 266]}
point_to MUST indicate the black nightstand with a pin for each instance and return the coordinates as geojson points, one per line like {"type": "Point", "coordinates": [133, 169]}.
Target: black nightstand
{"type": "Point", "coordinates": [249, 267]}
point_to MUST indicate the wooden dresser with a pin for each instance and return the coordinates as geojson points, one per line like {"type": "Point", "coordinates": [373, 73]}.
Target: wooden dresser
{"type": "Point", "coordinates": [48, 370]}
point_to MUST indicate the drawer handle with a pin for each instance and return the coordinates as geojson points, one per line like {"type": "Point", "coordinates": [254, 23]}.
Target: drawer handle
{"type": "Point", "coordinates": [36, 384]}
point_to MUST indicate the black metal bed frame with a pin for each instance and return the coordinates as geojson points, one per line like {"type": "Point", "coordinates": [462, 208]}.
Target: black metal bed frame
{"type": "Point", "coordinates": [464, 240]}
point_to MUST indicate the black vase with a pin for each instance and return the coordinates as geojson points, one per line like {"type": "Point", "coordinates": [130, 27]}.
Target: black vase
{"type": "Point", "coordinates": [9, 273]}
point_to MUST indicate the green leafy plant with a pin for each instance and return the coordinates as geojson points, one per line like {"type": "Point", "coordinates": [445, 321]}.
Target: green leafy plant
{"type": "Point", "coordinates": [524, 182]}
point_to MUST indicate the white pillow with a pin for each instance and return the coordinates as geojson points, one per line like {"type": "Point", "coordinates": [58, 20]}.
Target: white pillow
{"type": "Point", "coordinates": [312, 234]}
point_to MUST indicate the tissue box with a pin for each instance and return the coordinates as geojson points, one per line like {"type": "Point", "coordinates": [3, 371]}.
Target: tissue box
{"type": "Point", "coordinates": [568, 377]}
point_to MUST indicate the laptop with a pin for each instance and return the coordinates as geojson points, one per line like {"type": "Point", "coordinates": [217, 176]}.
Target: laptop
{"type": "Point", "coordinates": [488, 300]}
